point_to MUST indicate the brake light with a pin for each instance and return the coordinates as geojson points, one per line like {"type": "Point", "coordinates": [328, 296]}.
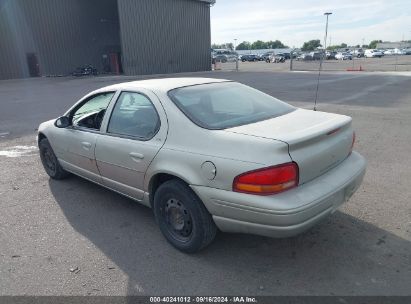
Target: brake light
{"type": "Point", "coordinates": [267, 181]}
{"type": "Point", "coordinates": [353, 141]}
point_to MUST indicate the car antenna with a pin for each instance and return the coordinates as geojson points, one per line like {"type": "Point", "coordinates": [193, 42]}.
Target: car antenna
{"type": "Point", "coordinates": [321, 62]}
{"type": "Point", "coordinates": [318, 84]}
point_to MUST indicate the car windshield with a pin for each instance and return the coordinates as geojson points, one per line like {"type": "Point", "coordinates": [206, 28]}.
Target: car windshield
{"type": "Point", "coordinates": [224, 105]}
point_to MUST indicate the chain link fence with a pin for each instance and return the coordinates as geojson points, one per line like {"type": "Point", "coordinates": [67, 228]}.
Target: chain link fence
{"type": "Point", "coordinates": [388, 63]}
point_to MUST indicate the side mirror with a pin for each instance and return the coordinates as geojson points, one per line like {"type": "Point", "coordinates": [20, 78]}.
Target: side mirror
{"type": "Point", "coordinates": [62, 122]}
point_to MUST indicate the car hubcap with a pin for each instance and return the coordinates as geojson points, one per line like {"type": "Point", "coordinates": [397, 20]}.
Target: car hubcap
{"type": "Point", "coordinates": [178, 220]}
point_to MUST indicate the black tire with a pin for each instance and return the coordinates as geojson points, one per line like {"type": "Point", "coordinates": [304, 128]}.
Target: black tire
{"type": "Point", "coordinates": [50, 162]}
{"type": "Point", "coordinates": [182, 217]}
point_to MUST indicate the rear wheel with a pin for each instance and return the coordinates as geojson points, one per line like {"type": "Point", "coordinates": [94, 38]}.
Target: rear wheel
{"type": "Point", "coordinates": [182, 217]}
{"type": "Point", "coordinates": [50, 162]}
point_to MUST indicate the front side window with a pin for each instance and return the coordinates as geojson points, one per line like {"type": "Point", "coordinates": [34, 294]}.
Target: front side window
{"type": "Point", "coordinates": [134, 115]}
{"type": "Point", "coordinates": [90, 114]}
{"type": "Point", "coordinates": [224, 105]}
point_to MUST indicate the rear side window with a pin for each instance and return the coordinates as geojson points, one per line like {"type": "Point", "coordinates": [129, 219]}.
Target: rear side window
{"type": "Point", "coordinates": [135, 116]}
{"type": "Point", "coordinates": [226, 104]}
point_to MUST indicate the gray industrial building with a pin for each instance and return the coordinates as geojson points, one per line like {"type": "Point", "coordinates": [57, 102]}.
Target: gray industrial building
{"type": "Point", "coordinates": [134, 37]}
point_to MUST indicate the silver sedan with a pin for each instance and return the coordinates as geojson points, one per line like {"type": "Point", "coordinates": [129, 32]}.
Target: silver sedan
{"type": "Point", "coordinates": [207, 154]}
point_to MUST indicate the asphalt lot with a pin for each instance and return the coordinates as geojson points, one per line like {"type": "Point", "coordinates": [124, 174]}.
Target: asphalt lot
{"type": "Point", "coordinates": [72, 237]}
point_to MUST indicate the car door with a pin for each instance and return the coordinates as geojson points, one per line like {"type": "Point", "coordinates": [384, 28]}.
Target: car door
{"type": "Point", "coordinates": [135, 131]}
{"type": "Point", "coordinates": [78, 141]}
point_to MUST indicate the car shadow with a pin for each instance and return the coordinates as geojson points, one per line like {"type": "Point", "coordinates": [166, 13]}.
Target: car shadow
{"type": "Point", "coordinates": [343, 255]}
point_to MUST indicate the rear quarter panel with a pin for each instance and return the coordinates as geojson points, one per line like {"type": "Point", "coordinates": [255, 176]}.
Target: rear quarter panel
{"type": "Point", "coordinates": [188, 146]}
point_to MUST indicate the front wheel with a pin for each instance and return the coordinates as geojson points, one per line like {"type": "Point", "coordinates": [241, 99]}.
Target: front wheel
{"type": "Point", "coordinates": [182, 217]}
{"type": "Point", "coordinates": [50, 162]}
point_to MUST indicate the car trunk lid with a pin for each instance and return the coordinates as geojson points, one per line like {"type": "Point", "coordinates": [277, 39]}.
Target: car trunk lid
{"type": "Point", "coordinates": [317, 141]}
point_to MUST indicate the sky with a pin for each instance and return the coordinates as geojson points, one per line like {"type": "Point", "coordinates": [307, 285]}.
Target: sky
{"type": "Point", "coordinates": [293, 22]}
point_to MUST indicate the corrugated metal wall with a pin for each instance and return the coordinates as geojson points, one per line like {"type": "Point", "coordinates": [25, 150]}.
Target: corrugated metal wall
{"type": "Point", "coordinates": [157, 36]}
{"type": "Point", "coordinates": [164, 36]}
{"type": "Point", "coordinates": [69, 33]}
{"type": "Point", "coordinates": [64, 34]}
{"type": "Point", "coordinates": [14, 44]}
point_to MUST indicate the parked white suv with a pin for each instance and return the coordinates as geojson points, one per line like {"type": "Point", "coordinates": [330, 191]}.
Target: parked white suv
{"type": "Point", "coordinates": [373, 53]}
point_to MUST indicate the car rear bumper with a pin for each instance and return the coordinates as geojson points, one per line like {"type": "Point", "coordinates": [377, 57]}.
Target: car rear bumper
{"type": "Point", "coordinates": [288, 213]}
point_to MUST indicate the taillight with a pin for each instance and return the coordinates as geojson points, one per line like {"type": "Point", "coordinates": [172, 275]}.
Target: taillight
{"type": "Point", "coordinates": [267, 181]}
{"type": "Point", "coordinates": [353, 141]}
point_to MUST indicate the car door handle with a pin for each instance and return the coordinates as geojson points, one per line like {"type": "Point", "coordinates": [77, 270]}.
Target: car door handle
{"type": "Point", "coordinates": [137, 157]}
{"type": "Point", "coordinates": [86, 145]}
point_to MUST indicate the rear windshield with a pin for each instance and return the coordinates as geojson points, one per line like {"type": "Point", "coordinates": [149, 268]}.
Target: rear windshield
{"type": "Point", "coordinates": [224, 105]}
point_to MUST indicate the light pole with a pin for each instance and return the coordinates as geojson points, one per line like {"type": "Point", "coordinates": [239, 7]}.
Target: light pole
{"type": "Point", "coordinates": [321, 61]}
{"type": "Point", "coordinates": [326, 30]}
{"type": "Point", "coordinates": [236, 55]}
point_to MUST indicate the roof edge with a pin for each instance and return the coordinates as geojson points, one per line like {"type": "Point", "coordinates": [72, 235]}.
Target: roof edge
{"type": "Point", "coordinates": [208, 1]}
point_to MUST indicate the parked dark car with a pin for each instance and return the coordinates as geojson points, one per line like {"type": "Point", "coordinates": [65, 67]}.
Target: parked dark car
{"type": "Point", "coordinates": [305, 57]}
{"type": "Point", "coordinates": [223, 55]}
{"type": "Point", "coordinates": [330, 55]}
{"type": "Point", "coordinates": [285, 55]}
{"type": "Point", "coordinates": [266, 56]}
{"type": "Point", "coordinates": [316, 55]}
{"type": "Point", "coordinates": [250, 57]}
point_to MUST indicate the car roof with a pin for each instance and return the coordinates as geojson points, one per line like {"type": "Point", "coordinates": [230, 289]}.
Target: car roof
{"type": "Point", "coordinates": [162, 84]}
